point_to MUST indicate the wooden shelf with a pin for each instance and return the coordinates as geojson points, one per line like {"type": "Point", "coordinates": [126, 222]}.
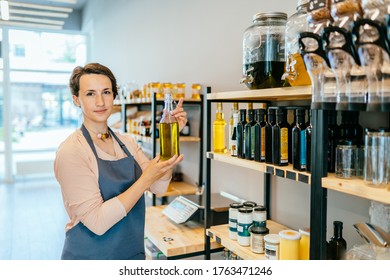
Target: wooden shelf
{"type": "Point", "coordinates": [178, 188]}
{"type": "Point", "coordinates": [356, 187]}
{"type": "Point", "coordinates": [148, 139]}
{"type": "Point", "coordinates": [220, 234]}
{"type": "Point", "coordinates": [270, 94]}
{"type": "Point", "coordinates": [174, 239]}
{"type": "Point", "coordinates": [280, 171]}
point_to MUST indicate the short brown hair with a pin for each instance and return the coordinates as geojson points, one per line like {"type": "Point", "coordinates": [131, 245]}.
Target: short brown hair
{"type": "Point", "coordinates": [91, 68]}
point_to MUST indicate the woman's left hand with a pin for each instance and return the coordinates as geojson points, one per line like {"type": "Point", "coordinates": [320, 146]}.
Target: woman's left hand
{"type": "Point", "coordinates": [180, 114]}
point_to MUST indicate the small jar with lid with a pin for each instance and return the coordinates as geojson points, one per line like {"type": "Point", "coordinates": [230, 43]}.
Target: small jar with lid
{"type": "Point", "coordinates": [271, 246]}
{"type": "Point", "coordinates": [244, 221]}
{"type": "Point", "coordinates": [249, 204]}
{"type": "Point", "coordinates": [257, 238]}
{"type": "Point", "coordinates": [259, 216]}
{"type": "Point", "coordinates": [263, 51]}
{"type": "Point", "coordinates": [195, 91]}
{"type": "Point", "coordinates": [289, 244]}
{"type": "Point", "coordinates": [233, 214]}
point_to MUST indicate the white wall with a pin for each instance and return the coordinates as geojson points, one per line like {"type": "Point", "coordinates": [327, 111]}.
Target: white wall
{"type": "Point", "coordinates": [200, 41]}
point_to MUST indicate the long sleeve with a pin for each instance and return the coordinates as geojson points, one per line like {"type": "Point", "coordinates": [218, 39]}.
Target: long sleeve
{"type": "Point", "coordinates": [76, 170]}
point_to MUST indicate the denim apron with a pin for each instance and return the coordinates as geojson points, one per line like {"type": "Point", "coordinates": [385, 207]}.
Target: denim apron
{"type": "Point", "coordinates": [124, 240]}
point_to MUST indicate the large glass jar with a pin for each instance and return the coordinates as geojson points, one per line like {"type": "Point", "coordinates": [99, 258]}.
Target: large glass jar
{"type": "Point", "coordinates": [295, 73]}
{"type": "Point", "coordinates": [263, 51]}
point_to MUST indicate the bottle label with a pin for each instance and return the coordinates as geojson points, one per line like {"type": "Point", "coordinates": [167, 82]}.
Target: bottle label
{"type": "Point", "coordinates": [284, 145]}
{"type": "Point", "coordinates": [262, 144]}
{"type": "Point", "coordinates": [303, 149]}
{"type": "Point", "coordinates": [243, 229]}
{"type": "Point", "coordinates": [233, 225]}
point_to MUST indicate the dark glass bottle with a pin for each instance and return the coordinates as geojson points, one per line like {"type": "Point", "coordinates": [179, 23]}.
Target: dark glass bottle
{"type": "Point", "coordinates": [250, 135]}
{"type": "Point", "coordinates": [241, 134]}
{"type": "Point", "coordinates": [333, 137]}
{"type": "Point", "coordinates": [260, 135]}
{"type": "Point", "coordinates": [346, 126]}
{"type": "Point", "coordinates": [308, 131]}
{"type": "Point", "coordinates": [280, 135]}
{"type": "Point", "coordinates": [337, 243]}
{"type": "Point", "coordinates": [233, 138]}
{"type": "Point", "coordinates": [357, 130]}
{"type": "Point", "coordinates": [291, 110]}
{"type": "Point", "coordinates": [299, 141]}
{"type": "Point", "coordinates": [271, 121]}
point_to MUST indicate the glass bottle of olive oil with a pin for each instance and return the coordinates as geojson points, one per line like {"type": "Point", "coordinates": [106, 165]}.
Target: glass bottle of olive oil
{"type": "Point", "coordinates": [169, 131]}
{"type": "Point", "coordinates": [219, 130]}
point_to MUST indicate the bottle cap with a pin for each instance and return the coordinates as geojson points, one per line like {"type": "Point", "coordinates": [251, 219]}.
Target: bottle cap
{"type": "Point", "coordinates": [272, 238]}
{"type": "Point", "coordinates": [259, 230]}
{"type": "Point", "coordinates": [259, 208]}
{"type": "Point", "coordinates": [235, 205]}
{"type": "Point", "coordinates": [245, 210]}
{"type": "Point", "coordinates": [249, 203]}
{"type": "Point", "coordinates": [290, 234]}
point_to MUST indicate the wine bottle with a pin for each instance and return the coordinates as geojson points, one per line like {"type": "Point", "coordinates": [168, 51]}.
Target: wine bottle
{"type": "Point", "coordinates": [219, 130]}
{"type": "Point", "coordinates": [260, 135]}
{"type": "Point", "coordinates": [169, 131]}
{"type": "Point", "coordinates": [299, 141]}
{"type": "Point", "coordinates": [231, 124]}
{"type": "Point", "coordinates": [250, 135]}
{"type": "Point", "coordinates": [271, 121]}
{"type": "Point", "coordinates": [337, 243]}
{"type": "Point", "coordinates": [241, 134]}
{"type": "Point", "coordinates": [233, 140]}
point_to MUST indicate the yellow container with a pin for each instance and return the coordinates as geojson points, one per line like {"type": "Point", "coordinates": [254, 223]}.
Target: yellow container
{"type": "Point", "coordinates": [304, 244]}
{"type": "Point", "coordinates": [289, 245]}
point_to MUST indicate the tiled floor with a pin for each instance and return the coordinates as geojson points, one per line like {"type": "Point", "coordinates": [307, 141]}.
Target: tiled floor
{"type": "Point", "coordinates": [32, 220]}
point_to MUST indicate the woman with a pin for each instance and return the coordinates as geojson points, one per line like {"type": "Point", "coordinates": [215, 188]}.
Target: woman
{"type": "Point", "coordinates": [103, 175]}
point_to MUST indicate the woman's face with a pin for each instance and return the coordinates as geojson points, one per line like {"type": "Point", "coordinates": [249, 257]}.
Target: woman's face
{"type": "Point", "coordinates": [95, 97]}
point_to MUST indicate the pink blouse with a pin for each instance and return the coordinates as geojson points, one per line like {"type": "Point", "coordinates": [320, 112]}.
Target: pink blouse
{"type": "Point", "coordinates": [76, 170]}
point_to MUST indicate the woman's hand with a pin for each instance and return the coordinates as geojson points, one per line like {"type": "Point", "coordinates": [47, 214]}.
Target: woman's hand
{"type": "Point", "coordinates": [161, 169]}
{"type": "Point", "coordinates": [180, 114]}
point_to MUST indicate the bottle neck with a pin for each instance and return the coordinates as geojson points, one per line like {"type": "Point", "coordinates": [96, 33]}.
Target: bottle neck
{"type": "Point", "coordinates": [168, 103]}
{"type": "Point", "coordinates": [300, 119]}
{"type": "Point", "coordinates": [338, 231]}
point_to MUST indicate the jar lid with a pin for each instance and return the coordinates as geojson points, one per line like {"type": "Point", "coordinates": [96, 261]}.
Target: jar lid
{"type": "Point", "coordinates": [249, 203]}
{"type": "Point", "coordinates": [259, 230]}
{"type": "Point", "coordinates": [270, 15]}
{"type": "Point", "coordinates": [235, 205]}
{"type": "Point", "coordinates": [290, 234]}
{"type": "Point", "coordinates": [259, 208]}
{"type": "Point", "coordinates": [304, 231]}
{"type": "Point", "coordinates": [272, 238]}
{"type": "Point", "coordinates": [245, 210]}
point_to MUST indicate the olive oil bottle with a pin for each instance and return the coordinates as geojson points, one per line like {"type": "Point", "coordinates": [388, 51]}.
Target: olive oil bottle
{"type": "Point", "coordinates": [271, 121]}
{"type": "Point", "coordinates": [280, 135]}
{"type": "Point", "coordinates": [250, 135]}
{"type": "Point", "coordinates": [260, 135]}
{"type": "Point", "coordinates": [219, 130]}
{"type": "Point", "coordinates": [169, 131]}
{"type": "Point", "coordinates": [232, 126]}
{"type": "Point", "coordinates": [308, 132]}
{"type": "Point", "coordinates": [299, 141]}
{"type": "Point", "coordinates": [241, 134]}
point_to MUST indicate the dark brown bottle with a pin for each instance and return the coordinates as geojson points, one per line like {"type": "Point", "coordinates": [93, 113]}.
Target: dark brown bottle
{"type": "Point", "coordinates": [281, 135]}
{"type": "Point", "coordinates": [308, 131]}
{"type": "Point", "coordinates": [337, 243]}
{"type": "Point", "coordinates": [250, 135]}
{"type": "Point", "coordinates": [260, 135]}
{"type": "Point", "coordinates": [271, 121]}
{"type": "Point", "coordinates": [299, 141]}
{"type": "Point", "coordinates": [241, 134]}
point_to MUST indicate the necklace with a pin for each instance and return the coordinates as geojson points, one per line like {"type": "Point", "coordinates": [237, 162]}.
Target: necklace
{"type": "Point", "coordinates": [103, 136]}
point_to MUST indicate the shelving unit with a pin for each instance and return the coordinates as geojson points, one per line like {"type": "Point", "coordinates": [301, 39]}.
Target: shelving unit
{"type": "Point", "coordinates": [292, 95]}
{"type": "Point", "coordinates": [176, 188]}
{"type": "Point", "coordinates": [318, 180]}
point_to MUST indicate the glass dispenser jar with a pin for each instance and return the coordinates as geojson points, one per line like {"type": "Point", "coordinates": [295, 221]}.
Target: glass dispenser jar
{"type": "Point", "coordinates": [295, 71]}
{"type": "Point", "coordinates": [263, 51]}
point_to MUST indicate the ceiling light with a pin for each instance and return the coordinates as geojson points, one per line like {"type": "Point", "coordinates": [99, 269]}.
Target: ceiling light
{"type": "Point", "coordinates": [4, 10]}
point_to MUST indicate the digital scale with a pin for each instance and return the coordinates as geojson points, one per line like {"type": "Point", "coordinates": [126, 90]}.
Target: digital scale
{"type": "Point", "coordinates": [191, 207]}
